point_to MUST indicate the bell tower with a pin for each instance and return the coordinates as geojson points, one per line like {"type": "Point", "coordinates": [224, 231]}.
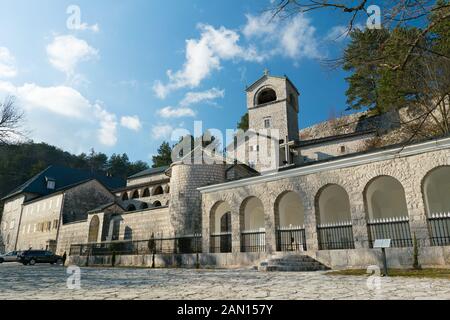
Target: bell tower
{"type": "Point", "coordinates": [272, 103]}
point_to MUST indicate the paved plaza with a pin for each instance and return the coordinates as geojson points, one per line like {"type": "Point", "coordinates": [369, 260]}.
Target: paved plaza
{"type": "Point", "coordinates": [50, 282]}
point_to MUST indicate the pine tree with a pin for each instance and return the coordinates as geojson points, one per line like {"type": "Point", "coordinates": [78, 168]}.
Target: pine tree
{"type": "Point", "coordinates": [164, 156]}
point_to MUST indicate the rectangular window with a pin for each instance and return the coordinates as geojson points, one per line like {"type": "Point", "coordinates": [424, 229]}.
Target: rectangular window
{"type": "Point", "coordinates": [342, 149]}
{"type": "Point", "coordinates": [267, 122]}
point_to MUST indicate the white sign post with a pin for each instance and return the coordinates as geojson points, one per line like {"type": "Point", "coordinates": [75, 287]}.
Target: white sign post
{"type": "Point", "coordinates": [383, 244]}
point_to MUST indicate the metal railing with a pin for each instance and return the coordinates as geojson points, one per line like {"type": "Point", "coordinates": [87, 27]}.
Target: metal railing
{"type": "Point", "coordinates": [439, 224]}
{"type": "Point", "coordinates": [291, 238]}
{"type": "Point", "coordinates": [397, 229]}
{"type": "Point", "coordinates": [253, 241]}
{"type": "Point", "coordinates": [335, 236]}
{"type": "Point", "coordinates": [220, 242]}
{"type": "Point", "coordinates": [174, 245]}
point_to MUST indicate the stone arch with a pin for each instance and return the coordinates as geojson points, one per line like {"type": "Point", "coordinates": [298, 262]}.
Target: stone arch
{"type": "Point", "coordinates": [167, 202]}
{"type": "Point", "coordinates": [436, 190]}
{"type": "Point", "coordinates": [156, 204]}
{"type": "Point", "coordinates": [220, 227]}
{"type": "Point", "coordinates": [158, 190]}
{"type": "Point", "coordinates": [387, 211]}
{"type": "Point", "coordinates": [167, 189]}
{"type": "Point", "coordinates": [146, 193]}
{"type": "Point", "coordinates": [332, 205]}
{"type": "Point", "coordinates": [333, 215]}
{"type": "Point", "coordinates": [143, 206]}
{"type": "Point", "coordinates": [266, 95]}
{"type": "Point", "coordinates": [252, 222]}
{"type": "Point", "coordinates": [93, 229]}
{"type": "Point", "coordinates": [384, 197]}
{"type": "Point", "coordinates": [220, 210]}
{"type": "Point", "coordinates": [131, 207]}
{"type": "Point", "coordinates": [135, 194]}
{"type": "Point", "coordinates": [289, 222]}
{"type": "Point", "coordinates": [252, 214]}
{"type": "Point", "coordinates": [124, 196]}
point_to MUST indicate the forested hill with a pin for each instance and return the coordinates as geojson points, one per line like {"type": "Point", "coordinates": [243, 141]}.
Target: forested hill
{"type": "Point", "coordinates": [18, 163]}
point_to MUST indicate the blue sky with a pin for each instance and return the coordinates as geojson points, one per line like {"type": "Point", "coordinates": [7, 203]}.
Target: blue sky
{"type": "Point", "coordinates": [132, 72]}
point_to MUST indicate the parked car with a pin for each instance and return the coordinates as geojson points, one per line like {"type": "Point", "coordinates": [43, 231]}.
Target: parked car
{"type": "Point", "coordinates": [32, 257]}
{"type": "Point", "coordinates": [12, 256]}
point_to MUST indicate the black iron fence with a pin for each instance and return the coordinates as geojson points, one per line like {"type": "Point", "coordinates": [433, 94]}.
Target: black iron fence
{"type": "Point", "coordinates": [291, 239]}
{"type": "Point", "coordinates": [335, 236]}
{"type": "Point", "coordinates": [253, 241]}
{"type": "Point", "coordinates": [439, 224]}
{"type": "Point", "coordinates": [397, 229]}
{"type": "Point", "coordinates": [185, 244]}
{"type": "Point", "coordinates": [220, 243]}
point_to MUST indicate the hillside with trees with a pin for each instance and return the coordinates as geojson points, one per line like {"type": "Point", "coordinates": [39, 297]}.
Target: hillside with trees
{"type": "Point", "coordinates": [20, 162]}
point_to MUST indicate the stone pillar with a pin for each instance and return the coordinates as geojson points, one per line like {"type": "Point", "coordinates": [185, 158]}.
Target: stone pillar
{"type": "Point", "coordinates": [312, 241]}
{"type": "Point", "coordinates": [418, 221]}
{"type": "Point", "coordinates": [235, 229]}
{"type": "Point", "coordinates": [206, 216]}
{"type": "Point", "coordinates": [359, 221]}
{"type": "Point", "coordinates": [269, 214]}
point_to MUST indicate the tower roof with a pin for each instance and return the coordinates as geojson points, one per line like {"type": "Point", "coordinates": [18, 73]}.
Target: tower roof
{"type": "Point", "coordinates": [267, 76]}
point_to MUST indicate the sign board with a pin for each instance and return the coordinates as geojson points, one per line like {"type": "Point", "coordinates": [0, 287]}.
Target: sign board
{"type": "Point", "coordinates": [382, 243]}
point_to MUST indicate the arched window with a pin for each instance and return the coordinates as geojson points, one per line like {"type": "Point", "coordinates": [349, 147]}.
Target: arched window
{"type": "Point", "coordinates": [289, 221]}
{"type": "Point", "coordinates": [387, 211]}
{"type": "Point", "coordinates": [144, 205]}
{"type": "Point", "coordinates": [131, 207]}
{"type": "Point", "coordinates": [93, 229]}
{"type": "Point", "coordinates": [125, 196]}
{"type": "Point", "coordinates": [334, 218]}
{"type": "Point", "coordinates": [156, 204]}
{"type": "Point", "coordinates": [220, 228]}
{"type": "Point", "coordinates": [146, 193]}
{"type": "Point", "coordinates": [266, 96]}
{"type": "Point", "coordinates": [158, 190]}
{"type": "Point", "coordinates": [135, 194]}
{"type": "Point", "coordinates": [167, 189]}
{"type": "Point", "coordinates": [252, 218]}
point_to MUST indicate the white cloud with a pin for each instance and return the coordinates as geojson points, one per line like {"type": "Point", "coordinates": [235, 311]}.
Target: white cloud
{"type": "Point", "coordinates": [107, 133]}
{"type": "Point", "coordinates": [131, 122]}
{"type": "Point", "coordinates": [7, 64]}
{"type": "Point", "coordinates": [67, 107]}
{"type": "Point", "coordinates": [162, 131]}
{"type": "Point", "coordinates": [196, 97]}
{"type": "Point", "coordinates": [169, 112]}
{"type": "Point", "coordinates": [65, 52]}
{"type": "Point", "coordinates": [294, 37]}
{"type": "Point", "coordinates": [204, 56]}
{"type": "Point", "coordinates": [259, 26]}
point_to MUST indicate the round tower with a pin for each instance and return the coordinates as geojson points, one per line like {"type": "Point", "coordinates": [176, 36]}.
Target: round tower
{"type": "Point", "coordinates": [185, 200]}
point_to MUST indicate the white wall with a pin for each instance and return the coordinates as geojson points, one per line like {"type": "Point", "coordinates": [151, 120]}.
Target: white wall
{"type": "Point", "coordinates": [253, 214]}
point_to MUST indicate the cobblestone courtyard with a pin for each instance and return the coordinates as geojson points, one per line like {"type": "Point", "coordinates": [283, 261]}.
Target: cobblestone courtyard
{"type": "Point", "coordinates": [50, 282]}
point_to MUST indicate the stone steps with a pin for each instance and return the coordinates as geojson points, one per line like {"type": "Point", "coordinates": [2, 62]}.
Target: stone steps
{"type": "Point", "coordinates": [291, 262]}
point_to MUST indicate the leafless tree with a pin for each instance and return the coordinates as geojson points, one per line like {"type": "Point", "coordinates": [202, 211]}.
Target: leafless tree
{"type": "Point", "coordinates": [395, 13]}
{"type": "Point", "coordinates": [11, 119]}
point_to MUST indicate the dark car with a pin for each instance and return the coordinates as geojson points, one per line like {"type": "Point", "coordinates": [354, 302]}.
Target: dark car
{"type": "Point", "coordinates": [32, 257]}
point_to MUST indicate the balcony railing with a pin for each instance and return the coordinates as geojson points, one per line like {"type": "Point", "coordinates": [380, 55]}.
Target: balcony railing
{"type": "Point", "coordinates": [396, 229]}
{"type": "Point", "coordinates": [291, 238]}
{"type": "Point", "coordinates": [439, 224]}
{"type": "Point", "coordinates": [253, 241]}
{"type": "Point", "coordinates": [220, 242]}
{"type": "Point", "coordinates": [335, 236]}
